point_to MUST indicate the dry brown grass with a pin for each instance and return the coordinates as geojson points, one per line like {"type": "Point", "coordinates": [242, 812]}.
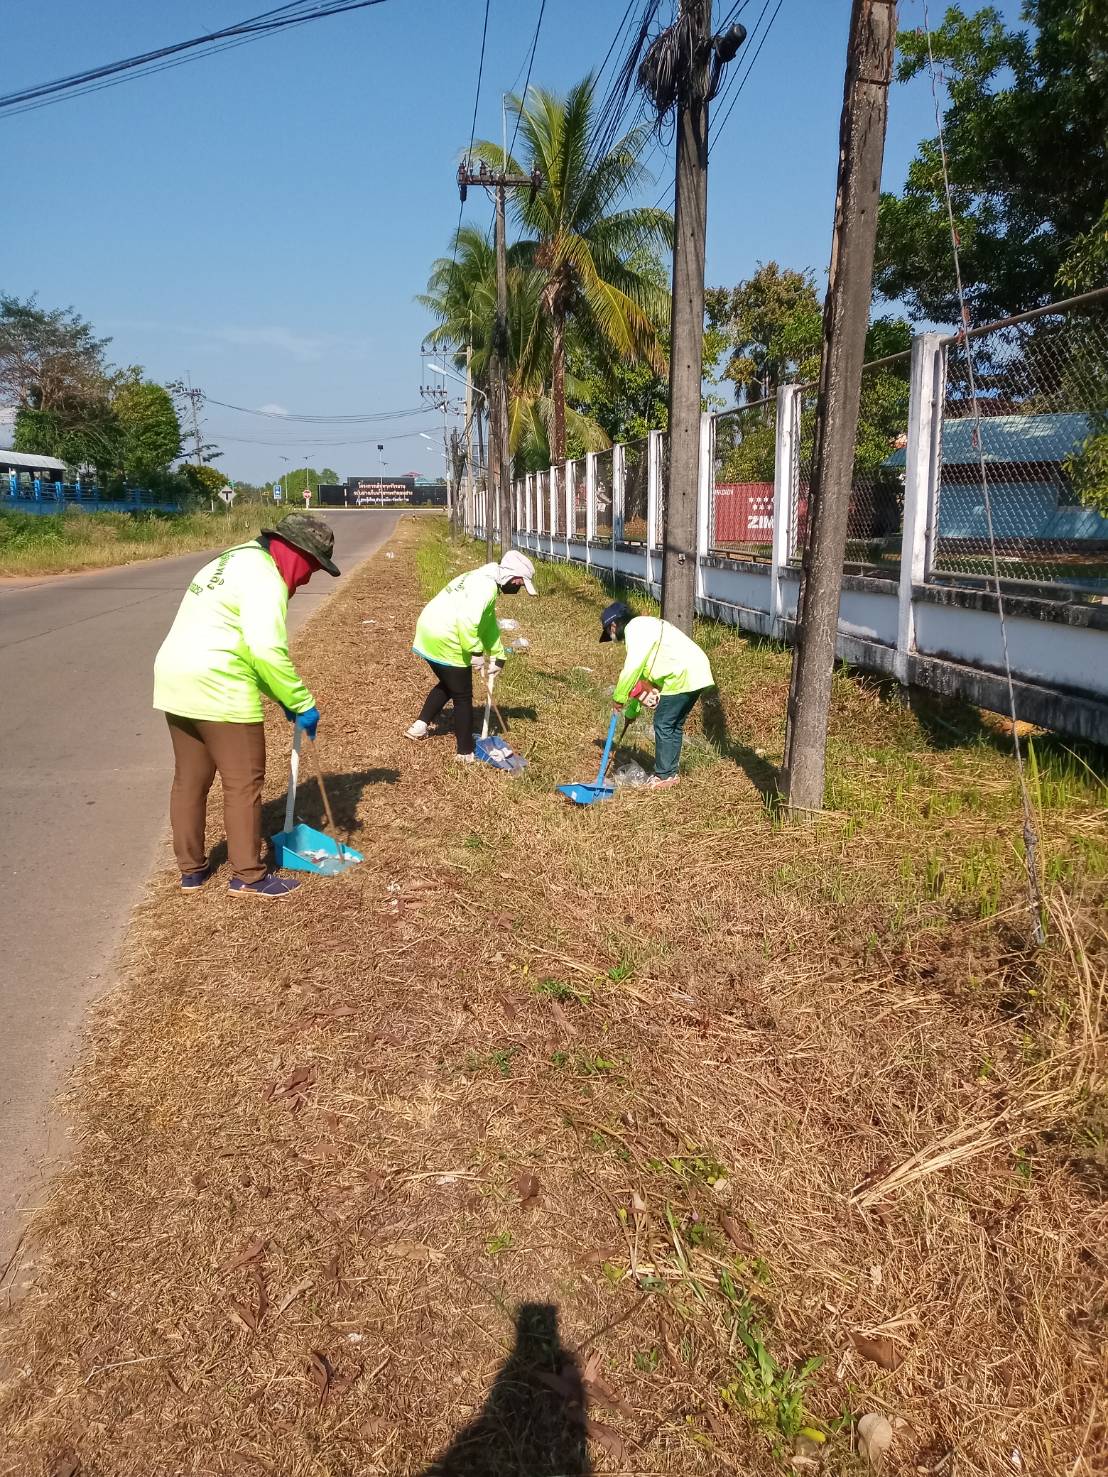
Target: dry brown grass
{"type": "Point", "coordinates": [704, 1085]}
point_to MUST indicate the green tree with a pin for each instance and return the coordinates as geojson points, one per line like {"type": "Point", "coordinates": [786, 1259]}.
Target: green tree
{"type": "Point", "coordinates": [205, 481]}
{"type": "Point", "coordinates": [149, 431]}
{"type": "Point", "coordinates": [461, 295]}
{"type": "Point", "coordinates": [49, 359]}
{"type": "Point", "coordinates": [772, 327]}
{"type": "Point", "coordinates": [582, 241]}
{"type": "Point", "coordinates": [299, 478]}
{"type": "Point", "coordinates": [772, 323]}
{"type": "Point", "coordinates": [1026, 133]}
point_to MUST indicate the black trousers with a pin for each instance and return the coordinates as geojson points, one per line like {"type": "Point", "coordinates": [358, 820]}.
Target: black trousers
{"type": "Point", "coordinates": [454, 684]}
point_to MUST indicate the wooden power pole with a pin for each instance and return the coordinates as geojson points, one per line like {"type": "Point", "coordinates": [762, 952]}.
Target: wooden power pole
{"type": "Point", "coordinates": [500, 182]}
{"type": "Point", "coordinates": [845, 321]}
{"type": "Point", "coordinates": [685, 65]}
{"type": "Point", "coordinates": [686, 357]}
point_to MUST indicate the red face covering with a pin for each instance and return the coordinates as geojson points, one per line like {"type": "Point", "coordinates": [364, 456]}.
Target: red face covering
{"type": "Point", "coordinates": [296, 567]}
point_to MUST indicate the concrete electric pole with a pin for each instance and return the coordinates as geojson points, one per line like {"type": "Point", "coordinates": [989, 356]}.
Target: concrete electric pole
{"type": "Point", "coordinates": [500, 182]}
{"type": "Point", "coordinates": [685, 66]}
{"type": "Point", "coordinates": [845, 321]}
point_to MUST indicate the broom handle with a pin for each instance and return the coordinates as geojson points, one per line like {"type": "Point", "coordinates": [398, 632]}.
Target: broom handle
{"type": "Point", "coordinates": [488, 705]}
{"type": "Point", "coordinates": [489, 699]}
{"type": "Point", "coordinates": [326, 800]}
{"type": "Point", "coordinates": [607, 750]}
{"type": "Point", "coordinates": [294, 774]}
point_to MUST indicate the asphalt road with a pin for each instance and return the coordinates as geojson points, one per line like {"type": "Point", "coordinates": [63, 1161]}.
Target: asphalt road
{"type": "Point", "coordinates": [85, 769]}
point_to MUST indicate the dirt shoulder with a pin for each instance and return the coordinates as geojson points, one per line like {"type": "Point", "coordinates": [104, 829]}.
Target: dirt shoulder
{"type": "Point", "coordinates": [653, 1138]}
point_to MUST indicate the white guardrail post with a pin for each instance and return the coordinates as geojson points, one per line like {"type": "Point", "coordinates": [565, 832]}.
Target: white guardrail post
{"type": "Point", "coordinates": [926, 396]}
{"type": "Point", "coordinates": [786, 475]}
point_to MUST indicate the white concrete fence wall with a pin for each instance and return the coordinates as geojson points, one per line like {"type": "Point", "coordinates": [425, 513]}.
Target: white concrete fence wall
{"type": "Point", "coordinates": [923, 631]}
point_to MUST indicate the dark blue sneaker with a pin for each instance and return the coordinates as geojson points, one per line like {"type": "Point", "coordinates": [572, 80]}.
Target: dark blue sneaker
{"type": "Point", "coordinates": [193, 881]}
{"type": "Point", "coordinates": [270, 886]}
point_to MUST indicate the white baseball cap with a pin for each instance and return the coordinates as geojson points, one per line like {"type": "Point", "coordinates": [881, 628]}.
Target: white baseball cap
{"type": "Point", "coordinates": [517, 566]}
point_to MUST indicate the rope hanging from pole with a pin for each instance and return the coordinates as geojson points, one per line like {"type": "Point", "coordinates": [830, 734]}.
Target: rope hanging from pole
{"type": "Point", "coordinates": [1030, 834]}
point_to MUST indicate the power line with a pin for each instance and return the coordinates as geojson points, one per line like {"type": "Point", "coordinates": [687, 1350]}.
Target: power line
{"type": "Point", "coordinates": [527, 79]}
{"type": "Point", "coordinates": [296, 13]}
{"type": "Point", "coordinates": [480, 74]}
{"type": "Point", "coordinates": [354, 419]}
{"type": "Point", "coordinates": [765, 37]}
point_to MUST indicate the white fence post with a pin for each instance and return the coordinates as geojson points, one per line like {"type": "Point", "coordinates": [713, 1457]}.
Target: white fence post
{"type": "Point", "coordinates": [570, 491]}
{"type": "Point", "coordinates": [653, 502]}
{"type": "Point", "coordinates": [553, 490]}
{"type": "Point", "coordinates": [619, 466]}
{"type": "Point", "coordinates": [590, 504]}
{"type": "Point", "coordinates": [705, 492]}
{"type": "Point", "coordinates": [786, 474]}
{"type": "Point", "coordinates": [926, 395]}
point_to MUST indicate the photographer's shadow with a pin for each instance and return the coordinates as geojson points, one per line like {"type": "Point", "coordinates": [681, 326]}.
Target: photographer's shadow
{"type": "Point", "coordinates": [533, 1422]}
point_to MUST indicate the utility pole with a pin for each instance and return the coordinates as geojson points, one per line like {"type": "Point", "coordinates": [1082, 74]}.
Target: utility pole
{"type": "Point", "coordinates": [685, 65]}
{"type": "Point", "coordinates": [500, 181]}
{"type": "Point", "coordinates": [470, 482]}
{"type": "Point", "coordinates": [845, 320]}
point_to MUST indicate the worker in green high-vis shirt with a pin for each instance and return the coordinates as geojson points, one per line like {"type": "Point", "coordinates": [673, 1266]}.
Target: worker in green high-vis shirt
{"type": "Point", "coordinates": [664, 670]}
{"type": "Point", "coordinates": [227, 649]}
{"type": "Point", "coordinates": [456, 632]}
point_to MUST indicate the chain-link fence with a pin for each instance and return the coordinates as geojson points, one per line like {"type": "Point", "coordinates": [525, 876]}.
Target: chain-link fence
{"type": "Point", "coordinates": [740, 519]}
{"type": "Point", "coordinates": [663, 491]}
{"type": "Point", "coordinates": [636, 476]}
{"type": "Point", "coordinates": [558, 495]}
{"type": "Point", "coordinates": [605, 487]}
{"type": "Point", "coordinates": [875, 520]}
{"type": "Point", "coordinates": [579, 469]}
{"type": "Point", "coordinates": [1032, 452]}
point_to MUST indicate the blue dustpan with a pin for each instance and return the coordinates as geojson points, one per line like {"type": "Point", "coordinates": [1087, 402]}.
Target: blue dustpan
{"type": "Point", "coordinates": [302, 848]}
{"type": "Point", "coordinates": [582, 794]}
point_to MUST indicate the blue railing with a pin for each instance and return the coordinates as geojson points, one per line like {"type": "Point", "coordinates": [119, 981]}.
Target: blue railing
{"type": "Point", "coordinates": [40, 496]}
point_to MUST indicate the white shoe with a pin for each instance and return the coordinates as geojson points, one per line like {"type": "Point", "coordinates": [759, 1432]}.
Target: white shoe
{"type": "Point", "coordinates": [464, 759]}
{"type": "Point", "coordinates": [418, 730]}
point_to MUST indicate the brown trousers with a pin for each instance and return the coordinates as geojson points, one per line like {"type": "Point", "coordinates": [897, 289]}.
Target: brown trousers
{"type": "Point", "coordinates": [237, 752]}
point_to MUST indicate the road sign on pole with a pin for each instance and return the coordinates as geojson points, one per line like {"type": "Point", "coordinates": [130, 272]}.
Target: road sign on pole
{"type": "Point", "coordinates": [227, 494]}
{"type": "Point", "coordinates": [278, 493]}
{"type": "Point", "coordinates": [307, 497]}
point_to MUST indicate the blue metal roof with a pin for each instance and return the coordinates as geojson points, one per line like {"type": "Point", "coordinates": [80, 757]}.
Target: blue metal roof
{"type": "Point", "coordinates": [1010, 438]}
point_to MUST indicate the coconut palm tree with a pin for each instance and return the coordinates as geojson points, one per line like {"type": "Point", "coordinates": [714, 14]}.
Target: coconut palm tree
{"type": "Point", "coordinates": [461, 295]}
{"type": "Point", "coordinates": [584, 239]}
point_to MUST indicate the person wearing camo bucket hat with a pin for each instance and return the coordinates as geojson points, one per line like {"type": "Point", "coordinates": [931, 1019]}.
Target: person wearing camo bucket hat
{"type": "Point", "coordinates": [227, 649]}
{"type": "Point", "coordinates": [457, 632]}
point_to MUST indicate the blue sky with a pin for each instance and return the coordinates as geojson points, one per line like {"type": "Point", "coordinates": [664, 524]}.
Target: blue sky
{"type": "Point", "coordinates": [262, 219]}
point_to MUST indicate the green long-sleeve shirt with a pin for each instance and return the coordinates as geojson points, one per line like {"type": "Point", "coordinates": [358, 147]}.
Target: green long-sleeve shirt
{"type": "Point", "coordinates": [663, 655]}
{"type": "Point", "coordinates": [229, 644]}
{"type": "Point", "coordinates": [460, 622]}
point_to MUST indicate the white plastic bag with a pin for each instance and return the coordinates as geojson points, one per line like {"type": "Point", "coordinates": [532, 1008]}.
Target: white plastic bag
{"type": "Point", "coordinates": [629, 775]}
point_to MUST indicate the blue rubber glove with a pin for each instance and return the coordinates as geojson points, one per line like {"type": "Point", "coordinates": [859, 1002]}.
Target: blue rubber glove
{"type": "Point", "coordinates": [307, 721]}
{"type": "Point", "coordinates": [289, 714]}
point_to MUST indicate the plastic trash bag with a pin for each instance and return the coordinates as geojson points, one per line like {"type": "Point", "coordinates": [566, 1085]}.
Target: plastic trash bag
{"type": "Point", "coordinates": [508, 624]}
{"type": "Point", "coordinates": [629, 775]}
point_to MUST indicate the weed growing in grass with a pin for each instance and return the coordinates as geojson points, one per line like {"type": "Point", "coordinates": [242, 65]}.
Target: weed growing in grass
{"type": "Point", "coordinates": [585, 1063]}
{"type": "Point", "coordinates": [501, 1242]}
{"type": "Point", "coordinates": [552, 989]}
{"type": "Point", "coordinates": [769, 1394]}
{"type": "Point", "coordinates": [500, 1060]}
{"type": "Point", "coordinates": [621, 971]}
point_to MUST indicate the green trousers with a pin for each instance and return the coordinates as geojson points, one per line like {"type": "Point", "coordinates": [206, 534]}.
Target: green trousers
{"type": "Point", "coordinates": [669, 731]}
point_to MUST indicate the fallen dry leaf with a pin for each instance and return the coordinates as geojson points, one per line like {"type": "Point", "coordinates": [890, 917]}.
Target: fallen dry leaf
{"type": "Point", "coordinates": [875, 1436]}
{"type": "Point", "coordinates": [66, 1464]}
{"type": "Point", "coordinates": [736, 1233]}
{"type": "Point", "coordinates": [599, 1387]}
{"type": "Point", "coordinates": [563, 1020]}
{"type": "Point", "coordinates": [416, 1251]}
{"type": "Point", "coordinates": [880, 1351]}
{"type": "Point", "coordinates": [319, 1368]}
{"type": "Point", "coordinates": [292, 1294]}
{"type": "Point", "coordinates": [527, 1187]}
{"type": "Point", "coordinates": [609, 1438]}
{"type": "Point", "coordinates": [248, 1253]}
{"type": "Point", "coordinates": [294, 1086]}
